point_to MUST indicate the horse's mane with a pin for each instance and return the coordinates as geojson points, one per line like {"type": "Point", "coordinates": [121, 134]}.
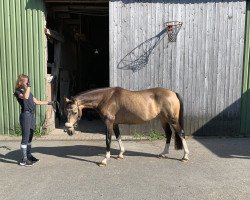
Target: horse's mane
{"type": "Point", "coordinates": [91, 94]}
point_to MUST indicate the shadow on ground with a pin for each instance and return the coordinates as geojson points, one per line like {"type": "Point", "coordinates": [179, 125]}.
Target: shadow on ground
{"type": "Point", "coordinates": [70, 152]}
{"type": "Point", "coordinates": [227, 147]}
{"type": "Point", "coordinates": [226, 124]}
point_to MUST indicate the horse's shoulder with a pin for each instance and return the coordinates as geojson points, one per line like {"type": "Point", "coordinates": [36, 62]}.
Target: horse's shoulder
{"type": "Point", "coordinates": [117, 91]}
{"type": "Point", "coordinates": [161, 89]}
{"type": "Point", "coordinates": [117, 88]}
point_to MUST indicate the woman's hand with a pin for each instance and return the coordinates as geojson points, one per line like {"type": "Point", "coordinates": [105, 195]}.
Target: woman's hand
{"type": "Point", "coordinates": [51, 102]}
{"type": "Point", "coordinates": [28, 83]}
{"type": "Point", "coordinates": [25, 84]}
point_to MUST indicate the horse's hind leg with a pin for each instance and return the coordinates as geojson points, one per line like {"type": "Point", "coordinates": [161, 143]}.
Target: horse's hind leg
{"type": "Point", "coordinates": [180, 141]}
{"type": "Point", "coordinates": [168, 134]}
{"type": "Point", "coordinates": [118, 137]}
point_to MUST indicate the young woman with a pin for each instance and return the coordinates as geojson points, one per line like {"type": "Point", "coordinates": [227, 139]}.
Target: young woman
{"type": "Point", "coordinates": [27, 118]}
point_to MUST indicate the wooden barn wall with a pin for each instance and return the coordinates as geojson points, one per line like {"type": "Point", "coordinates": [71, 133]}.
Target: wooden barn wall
{"type": "Point", "coordinates": [204, 65]}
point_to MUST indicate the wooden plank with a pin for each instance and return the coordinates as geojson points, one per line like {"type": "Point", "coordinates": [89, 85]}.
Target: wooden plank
{"type": "Point", "coordinates": [122, 35]}
{"type": "Point", "coordinates": [180, 49]}
{"type": "Point", "coordinates": [185, 95]}
{"type": "Point", "coordinates": [202, 48]}
{"type": "Point", "coordinates": [161, 45]}
{"type": "Point", "coordinates": [229, 62]}
{"type": "Point", "coordinates": [189, 71]}
{"type": "Point", "coordinates": [149, 35]}
{"type": "Point", "coordinates": [116, 39]}
{"type": "Point", "coordinates": [165, 46]}
{"type": "Point", "coordinates": [225, 77]}
{"type": "Point", "coordinates": [152, 56]}
{"type": "Point", "coordinates": [217, 64]}
{"type": "Point", "coordinates": [214, 65]}
{"type": "Point", "coordinates": [140, 48]}
{"type": "Point", "coordinates": [207, 76]}
{"type": "Point", "coordinates": [196, 70]}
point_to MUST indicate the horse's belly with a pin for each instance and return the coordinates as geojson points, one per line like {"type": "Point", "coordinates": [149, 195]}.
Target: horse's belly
{"type": "Point", "coordinates": [139, 117]}
{"type": "Point", "coordinates": [129, 119]}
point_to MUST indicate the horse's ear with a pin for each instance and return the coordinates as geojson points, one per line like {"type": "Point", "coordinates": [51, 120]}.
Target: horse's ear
{"type": "Point", "coordinates": [67, 100]}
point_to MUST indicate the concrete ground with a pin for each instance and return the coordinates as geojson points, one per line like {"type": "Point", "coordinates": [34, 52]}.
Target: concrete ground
{"type": "Point", "coordinates": [219, 168]}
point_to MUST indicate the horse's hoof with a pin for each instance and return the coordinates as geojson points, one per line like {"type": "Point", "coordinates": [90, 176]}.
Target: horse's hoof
{"type": "Point", "coordinates": [184, 160]}
{"type": "Point", "coordinates": [120, 157]}
{"type": "Point", "coordinates": [162, 156]}
{"type": "Point", "coordinates": [102, 164]}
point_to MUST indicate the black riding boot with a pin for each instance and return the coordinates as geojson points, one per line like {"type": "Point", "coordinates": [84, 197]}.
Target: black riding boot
{"type": "Point", "coordinates": [25, 161]}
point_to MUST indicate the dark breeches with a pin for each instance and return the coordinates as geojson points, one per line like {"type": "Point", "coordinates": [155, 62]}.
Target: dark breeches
{"type": "Point", "coordinates": [27, 122]}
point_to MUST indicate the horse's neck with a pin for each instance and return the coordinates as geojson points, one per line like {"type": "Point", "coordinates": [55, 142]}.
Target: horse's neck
{"type": "Point", "coordinates": [90, 100]}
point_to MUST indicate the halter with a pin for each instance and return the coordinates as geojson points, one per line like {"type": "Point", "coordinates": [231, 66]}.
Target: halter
{"type": "Point", "coordinates": [79, 112]}
{"type": "Point", "coordinates": [78, 117]}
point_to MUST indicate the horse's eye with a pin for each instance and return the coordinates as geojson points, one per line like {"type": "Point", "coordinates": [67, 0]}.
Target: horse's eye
{"type": "Point", "coordinates": [74, 113]}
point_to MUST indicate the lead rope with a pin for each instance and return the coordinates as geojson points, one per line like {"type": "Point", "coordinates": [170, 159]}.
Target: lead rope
{"type": "Point", "coordinates": [56, 106]}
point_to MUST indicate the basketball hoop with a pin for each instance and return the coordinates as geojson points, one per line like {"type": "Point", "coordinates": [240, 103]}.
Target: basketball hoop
{"type": "Point", "coordinates": [172, 30]}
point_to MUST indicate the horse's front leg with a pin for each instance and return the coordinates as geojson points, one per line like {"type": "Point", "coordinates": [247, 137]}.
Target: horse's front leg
{"type": "Point", "coordinates": [109, 124]}
{"type": "Point", "coordinates": [118, 137]}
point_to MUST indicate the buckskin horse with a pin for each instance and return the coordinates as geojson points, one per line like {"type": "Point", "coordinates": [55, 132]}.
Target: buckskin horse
{"type": "Point", "coordinates": [120, 106]}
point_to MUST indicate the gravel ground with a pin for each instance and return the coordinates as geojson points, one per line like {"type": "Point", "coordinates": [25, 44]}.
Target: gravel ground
{"type": "Point", "coordinates": [218, 169]}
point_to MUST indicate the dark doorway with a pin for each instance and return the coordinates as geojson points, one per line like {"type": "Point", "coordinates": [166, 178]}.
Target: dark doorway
{"type": "Point", "coordinates": [94, 53]}
{"type": "Point", "coordinates": [84, 53]}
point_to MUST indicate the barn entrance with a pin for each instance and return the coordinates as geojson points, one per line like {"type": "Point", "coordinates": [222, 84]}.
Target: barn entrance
{"type": "Point", "coordinates": [78, 49]}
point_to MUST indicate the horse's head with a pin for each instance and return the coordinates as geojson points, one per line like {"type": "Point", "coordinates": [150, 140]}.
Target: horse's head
{"type": "Point", "coordinates": [74, 114]}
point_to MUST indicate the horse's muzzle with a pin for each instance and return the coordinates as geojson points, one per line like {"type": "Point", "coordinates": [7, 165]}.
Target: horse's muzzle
{"type": "Point", "coordinates": [68, 125]}
{"type": "Point", "coordinates": [70, 128]}
{"type": "Point", "coordinates": [71, 132]}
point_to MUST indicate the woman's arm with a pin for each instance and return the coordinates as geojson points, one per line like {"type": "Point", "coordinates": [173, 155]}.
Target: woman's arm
{"type": "Point", "coordinates": [27, 93]}
{"type": "Point", "coordinates": [40, 102]}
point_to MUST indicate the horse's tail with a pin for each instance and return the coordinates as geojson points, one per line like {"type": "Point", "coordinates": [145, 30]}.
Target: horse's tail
{"type": "Point", "coordinates": [181, 119]}
{"type": "Point", "coordinates": [178, 142]}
